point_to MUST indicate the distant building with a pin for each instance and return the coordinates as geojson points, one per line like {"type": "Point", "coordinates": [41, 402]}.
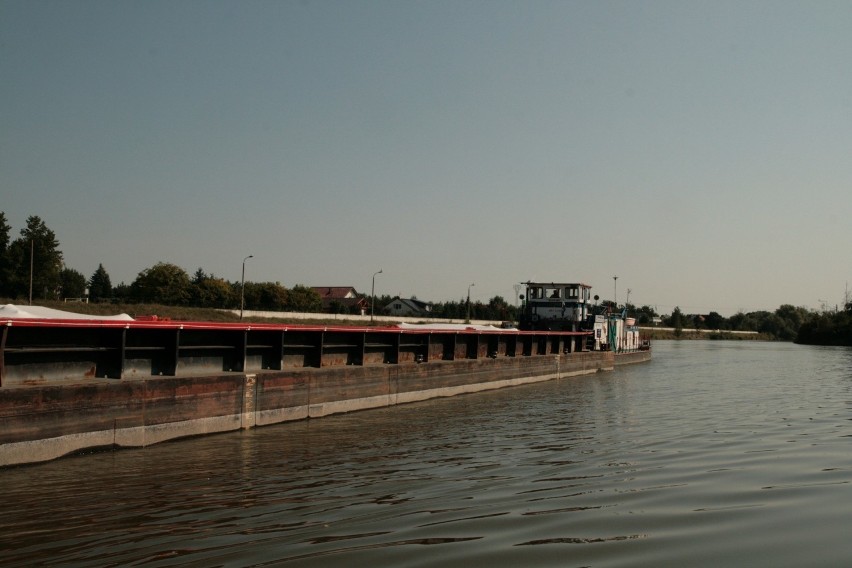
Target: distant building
{"type": "Point", "coordinates": [408, 307]}
{"type": "Point", "coordinates": [337, 298]}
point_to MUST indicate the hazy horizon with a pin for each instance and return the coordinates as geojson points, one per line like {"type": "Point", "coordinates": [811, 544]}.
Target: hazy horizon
{"type": "Point", "coordinates": [698, 151]}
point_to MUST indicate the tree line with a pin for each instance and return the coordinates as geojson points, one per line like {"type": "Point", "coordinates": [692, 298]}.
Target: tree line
{"type": "Point", "coordinates": [787, 323]}
{"type": "Point", "coordinates": [32, 265]}
{"type": "Point", "coordinates": [783, 323]}
{"type": "Point", "coordinates": [828, 328]}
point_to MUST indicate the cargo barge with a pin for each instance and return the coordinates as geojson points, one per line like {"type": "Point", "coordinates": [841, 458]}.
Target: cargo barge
{"type": "Point", "coordinates": [70, 385]}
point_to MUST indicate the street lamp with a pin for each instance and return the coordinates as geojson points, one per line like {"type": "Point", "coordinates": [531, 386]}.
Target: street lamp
{"type": "Point", "coordinates": [615, 293]}
{"type": "Point", "coordinates": [373, 296]}
{"type": "Point", "coordinates": [243, 286]}
{"type": "Point", "coordinates": [468, 302]}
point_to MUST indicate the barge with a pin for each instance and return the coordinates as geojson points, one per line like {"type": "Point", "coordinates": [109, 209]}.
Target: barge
{"type": "Point", "coordinates": [68, 385]}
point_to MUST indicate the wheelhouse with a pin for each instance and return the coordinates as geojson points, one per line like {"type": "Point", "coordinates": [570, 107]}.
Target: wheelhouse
{"type": "Point", "coordinates": [555, 306]}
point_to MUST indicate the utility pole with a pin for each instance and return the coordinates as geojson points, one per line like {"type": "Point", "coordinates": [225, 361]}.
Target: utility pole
{"type": "Point", "coordinates": [243, 286]}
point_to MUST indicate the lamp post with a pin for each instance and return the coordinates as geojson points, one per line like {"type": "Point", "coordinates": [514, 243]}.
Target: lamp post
{"type": "Point", "coordinates": [373, 296]}
{"type": "Point", "coordinates": [468, 302]}
{"type": "Point", "coordinates": [615, 293]}
{"type": "Point", "coordinates": [243, 286]}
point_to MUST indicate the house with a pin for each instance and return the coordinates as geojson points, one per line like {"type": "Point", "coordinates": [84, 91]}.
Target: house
{"type": "Point", "coordinates": [408, 307]}
{"type": "Point", "coordinates": [339, 299]}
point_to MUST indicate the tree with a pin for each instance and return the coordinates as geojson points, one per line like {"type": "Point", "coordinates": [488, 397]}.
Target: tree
{"type": "Point", "coordinates": [72, 284]}
{"type": "Point", "coordinates": [214, 293]}
{"type": "Point", "coordinates": [793, 317]}
{"type": "Point", "coordinates": [449, 309]}
{"type": "Point", "coordinates": [200, 276]}
{"type": "Point", "coordinates": [677, 319]}
{"type": "Point", "coordinates": [304, 299]}
{"type": "Point", "coordinates": [742, 322]}
{"type": "Point", "coordinates": [336, 307]}
{"type": "Point", "coordinates": [269, 296]}
{"type": "Point", "coordinates": [37, 244]}
{"type": "Point", "coordinates": [645, 315]}
{"type": "Point", "coordinates": [714, 320]}
{"type": "Point", "coordinates": [499, 309]}
{"type": "Point", "coordinates": [211, 292]}
{"type": "Point", "coordinates": [775, 326]}
{"type": "Point", "coordinates": [5, 260]}
{"type": "Point", "coordinates": [163, 283]}
{"type": "Point", "coordinates": [121, 292]}
{"type": "Point", "coordinates": [827, 329]}
{"type": "Point", "coordinates": [100, 287]}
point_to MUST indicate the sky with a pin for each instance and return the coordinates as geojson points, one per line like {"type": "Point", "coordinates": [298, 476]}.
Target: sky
{"type": "Point", "coordinates": [700, 151]}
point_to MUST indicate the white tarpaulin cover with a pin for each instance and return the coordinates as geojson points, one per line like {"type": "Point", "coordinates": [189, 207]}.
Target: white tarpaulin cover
{"type": "Point", "coordinates": [10, 311]}
{"type": "Point", "coordinates": [447, 326]}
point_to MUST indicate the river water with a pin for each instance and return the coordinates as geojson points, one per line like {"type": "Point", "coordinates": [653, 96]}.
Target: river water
{"type": "Point", "coordinates": [713, 454]}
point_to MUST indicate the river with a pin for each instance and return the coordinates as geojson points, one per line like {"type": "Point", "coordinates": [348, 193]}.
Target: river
{"type": "Point", "coordinates": [716, 453]}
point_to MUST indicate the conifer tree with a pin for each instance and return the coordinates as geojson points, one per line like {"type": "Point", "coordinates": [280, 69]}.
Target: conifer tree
{"type": "Point", "coordinates": [36, 261]}
{"type": "Point", "coordinates": [100, 287]}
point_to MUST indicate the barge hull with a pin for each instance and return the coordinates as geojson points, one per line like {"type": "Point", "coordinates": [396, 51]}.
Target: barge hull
{"type": "Point", "coordinates": [52, 405]}
{"type": "Point", "coordinates": [46, 422]}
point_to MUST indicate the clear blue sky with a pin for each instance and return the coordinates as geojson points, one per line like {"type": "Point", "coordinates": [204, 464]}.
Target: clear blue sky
{"type": "Point", "coordinates": [701, 151]}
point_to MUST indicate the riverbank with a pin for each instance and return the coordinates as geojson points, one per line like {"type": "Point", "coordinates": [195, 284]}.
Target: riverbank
{"type": "Point", "coordinates": [670, 333]}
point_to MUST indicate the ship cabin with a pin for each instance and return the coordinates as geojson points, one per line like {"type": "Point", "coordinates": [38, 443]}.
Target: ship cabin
{"type": "Point", "coordinates": [555, 306]}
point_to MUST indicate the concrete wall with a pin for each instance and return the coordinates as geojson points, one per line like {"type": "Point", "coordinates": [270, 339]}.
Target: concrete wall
{"type": "Point", "coordinates": [383, 318]}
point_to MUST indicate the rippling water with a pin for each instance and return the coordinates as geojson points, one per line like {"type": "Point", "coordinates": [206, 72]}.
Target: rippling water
{"type": "Point", "coordinates": [714, 454]}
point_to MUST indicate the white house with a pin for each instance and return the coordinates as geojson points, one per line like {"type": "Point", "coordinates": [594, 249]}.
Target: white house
{"type": "Point", "coordinates": [408, 307]}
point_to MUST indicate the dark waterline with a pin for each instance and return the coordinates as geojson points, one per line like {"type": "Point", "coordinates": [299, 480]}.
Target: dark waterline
{"type": "Point", "coordinates": [714, 454]}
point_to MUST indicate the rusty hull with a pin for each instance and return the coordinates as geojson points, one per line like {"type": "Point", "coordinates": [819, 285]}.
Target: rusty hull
{"type": "Point", "coordinates": [70, 388]}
